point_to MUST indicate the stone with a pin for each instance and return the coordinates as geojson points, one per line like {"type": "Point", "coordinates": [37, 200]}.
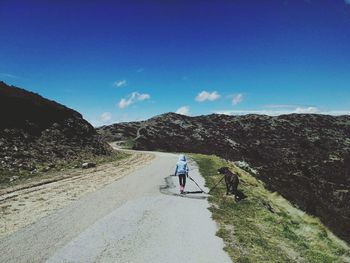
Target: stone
{"type": "Point", "coordinates": [88, 165]}
{"type": "Point", "coordinates": [46, 169]}
{"type": "Point", "coordinates": [14, 178]}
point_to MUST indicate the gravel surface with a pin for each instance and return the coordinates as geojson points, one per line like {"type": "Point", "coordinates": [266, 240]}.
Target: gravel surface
{"type": "Point", "coordinates": [139, 218]}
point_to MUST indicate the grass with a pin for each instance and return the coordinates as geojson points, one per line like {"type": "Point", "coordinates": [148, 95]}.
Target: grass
{"type": "Point", "coordinates": [60, 165]}
{"type": "Point", "coordinates": [129, 143]}
{"type": "Point", "coordinates": [265, 227]}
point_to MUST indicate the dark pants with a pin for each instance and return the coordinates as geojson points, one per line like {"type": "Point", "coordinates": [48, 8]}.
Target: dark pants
{"type": "Point", "coordinates": [182, 179]}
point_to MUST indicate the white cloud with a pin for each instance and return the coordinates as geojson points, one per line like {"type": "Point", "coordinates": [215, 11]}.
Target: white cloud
{"type": "Point", "coordinates": [337, 112]}
{"type": "Point", "coordinates": [139, 70]}
{"type": "Point", "coordinates": [281, 106]}
{"type": "Point", "coordinates": [120, 83]}
{"type": "Point", "coordinates": [244, 112]}
{"type": "Point", "coordinates": [132, 98]}
{"type": "Point", "coordinates": [276, 112]}
{"type": "Point", "coordinates": [6, 75]}
{"type": "Point", "coordinates": [307, 110]}
{"type": "Point", "coordinates": [205, 95]}
{"type": "Point", "coordinates": [142, 97]}
{"type": "Point", "coordinates": [293, 108]}
{"type": "Point", "coordinates": [238, 98]}
{"type": "Point", "coordinates": [106, 116]}
{"type": "Point", "coordinates": [184, 110]}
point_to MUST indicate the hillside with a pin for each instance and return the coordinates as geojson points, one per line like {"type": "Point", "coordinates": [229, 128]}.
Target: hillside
{"type": "Point", "coordinates": [304, 157]}
{"type": "Point", "coordinates": [264, 226]}
{"type": "Point", "coordinates": [35, 132]}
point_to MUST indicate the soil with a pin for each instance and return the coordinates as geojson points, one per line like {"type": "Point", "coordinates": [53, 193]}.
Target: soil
{"type": "Point", "coordinates": [25, 203]}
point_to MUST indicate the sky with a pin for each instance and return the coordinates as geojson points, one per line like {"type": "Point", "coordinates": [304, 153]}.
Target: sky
{"type": "Point", "coordinates": [117, 61]}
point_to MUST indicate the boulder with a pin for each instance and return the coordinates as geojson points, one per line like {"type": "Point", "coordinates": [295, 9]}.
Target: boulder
{"type": "Point", "coordinates": [88, 165]}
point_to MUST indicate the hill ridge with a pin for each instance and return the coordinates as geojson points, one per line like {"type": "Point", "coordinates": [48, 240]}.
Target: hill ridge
{"type": "Point", "coordinates": [304, 157]}
{"type": "Point", "coordinates": [37, 132]}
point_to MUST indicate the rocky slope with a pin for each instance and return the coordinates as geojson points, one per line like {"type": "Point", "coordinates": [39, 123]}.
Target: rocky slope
{"type": "Point", "coordinates": [306, 158]}
{"type": "Point", "coordinates": [36, 131]}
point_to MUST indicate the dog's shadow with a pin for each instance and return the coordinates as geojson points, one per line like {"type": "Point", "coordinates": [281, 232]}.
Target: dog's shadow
{"type": "Point", "coordinates": [240, 196]}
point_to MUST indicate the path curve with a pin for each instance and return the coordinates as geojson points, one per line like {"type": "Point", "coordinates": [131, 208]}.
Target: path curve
{"type": "Point", "coordinates": [129, 220]}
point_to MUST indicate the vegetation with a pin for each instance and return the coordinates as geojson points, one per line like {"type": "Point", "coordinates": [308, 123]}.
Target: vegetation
{"type": "Point", "coordinates": [306, 155]}
{"type": "Point", "coordinates": [265, 227]}
{"type": "Point", "coordinates": [129, 143]}
{"type": "Point", "coordinates": [19, 175]}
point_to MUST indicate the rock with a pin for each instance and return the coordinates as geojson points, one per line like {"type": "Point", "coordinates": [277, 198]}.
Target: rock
{"type": "Point", "coordinates": [268, 206]}
{"type": "Point", "coordinates": [34, 171]}
{"type": "Point", "coordinates": [88, 165]}
{"type": "Point", "coordinates": [245, 166]}
{"type": "Point", "coordinates": [14, 178]}
{"type": "Point", "coordinates": [32, 167]}
{"type": "Point", "coordinates": [45, 169]}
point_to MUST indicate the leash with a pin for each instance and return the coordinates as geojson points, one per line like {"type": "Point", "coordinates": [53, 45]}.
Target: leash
{"type": "Point", "coordinates": [210, 188]}
{"type": "Point", "coordinates": [216, 184]}
{"type": "Point", "coordinates": [196, 184]}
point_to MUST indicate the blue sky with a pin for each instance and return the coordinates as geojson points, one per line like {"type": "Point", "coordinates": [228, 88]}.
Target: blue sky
{"type": "Point", "coordinates": [129, 60]}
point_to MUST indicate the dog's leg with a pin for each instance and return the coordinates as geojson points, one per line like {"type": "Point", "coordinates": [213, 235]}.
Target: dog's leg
{"type": "Point", "coordinates": [235, 186]}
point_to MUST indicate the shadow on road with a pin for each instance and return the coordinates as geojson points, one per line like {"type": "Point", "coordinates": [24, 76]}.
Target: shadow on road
{"type": "Point", "coordinates": [170, 189]}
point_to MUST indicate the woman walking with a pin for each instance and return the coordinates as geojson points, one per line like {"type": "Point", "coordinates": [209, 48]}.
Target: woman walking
{"type": "Point", "coordinates": [182, 172]}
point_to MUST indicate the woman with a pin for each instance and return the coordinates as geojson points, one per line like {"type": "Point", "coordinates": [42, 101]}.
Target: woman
{"type": "Point", "coordinates": [182, 172]}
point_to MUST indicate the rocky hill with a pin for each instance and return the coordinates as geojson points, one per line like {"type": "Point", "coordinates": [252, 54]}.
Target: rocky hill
{"type": "Point", "coordinates": [34, 131]}
{"type": "Point", "coordinates": [304, 157]}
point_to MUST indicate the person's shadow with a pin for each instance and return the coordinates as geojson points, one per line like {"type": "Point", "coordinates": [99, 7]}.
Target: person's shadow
{"type": "Point", "coordinates": [170, 189]}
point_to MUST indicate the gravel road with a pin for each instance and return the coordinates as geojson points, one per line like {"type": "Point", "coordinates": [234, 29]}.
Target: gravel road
{"type": "Point", "coordinates": [139, 218]}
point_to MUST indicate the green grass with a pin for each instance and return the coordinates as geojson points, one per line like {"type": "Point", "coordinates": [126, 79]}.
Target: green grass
{"type": "Point", "coordinates": [127, 143]}
{"type": "Point", "coordinates": [253, 233]}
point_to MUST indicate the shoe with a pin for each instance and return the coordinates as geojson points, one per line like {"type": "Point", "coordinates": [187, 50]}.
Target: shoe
{"type": "Point", "coordinates": [181, 192]}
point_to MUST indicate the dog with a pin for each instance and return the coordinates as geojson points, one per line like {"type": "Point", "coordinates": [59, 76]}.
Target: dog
{"type": "Point", "coordinates": [231, 180]}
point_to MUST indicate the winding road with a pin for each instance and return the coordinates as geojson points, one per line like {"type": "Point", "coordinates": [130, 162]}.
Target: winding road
{"type": "Point", "coordinates": [138, 218]}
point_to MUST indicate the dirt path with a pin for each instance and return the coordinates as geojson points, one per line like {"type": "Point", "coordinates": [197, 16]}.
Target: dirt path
{"type": "Point", "coordinates": [138, 218]}
{"type": "Point", "coordinates": [25, 204]}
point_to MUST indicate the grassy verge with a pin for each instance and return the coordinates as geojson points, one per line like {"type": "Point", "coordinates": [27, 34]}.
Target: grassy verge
{"type": "Point", "coordinates": [59, 166]}
{"type": "Point", "coordinates": [265, 227]}
{"type": "Point", "coordinates": [129, 143]}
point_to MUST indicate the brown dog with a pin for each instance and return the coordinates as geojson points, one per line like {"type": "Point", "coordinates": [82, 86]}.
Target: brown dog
{"type": "Point", "coordinates": [231, 180]}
